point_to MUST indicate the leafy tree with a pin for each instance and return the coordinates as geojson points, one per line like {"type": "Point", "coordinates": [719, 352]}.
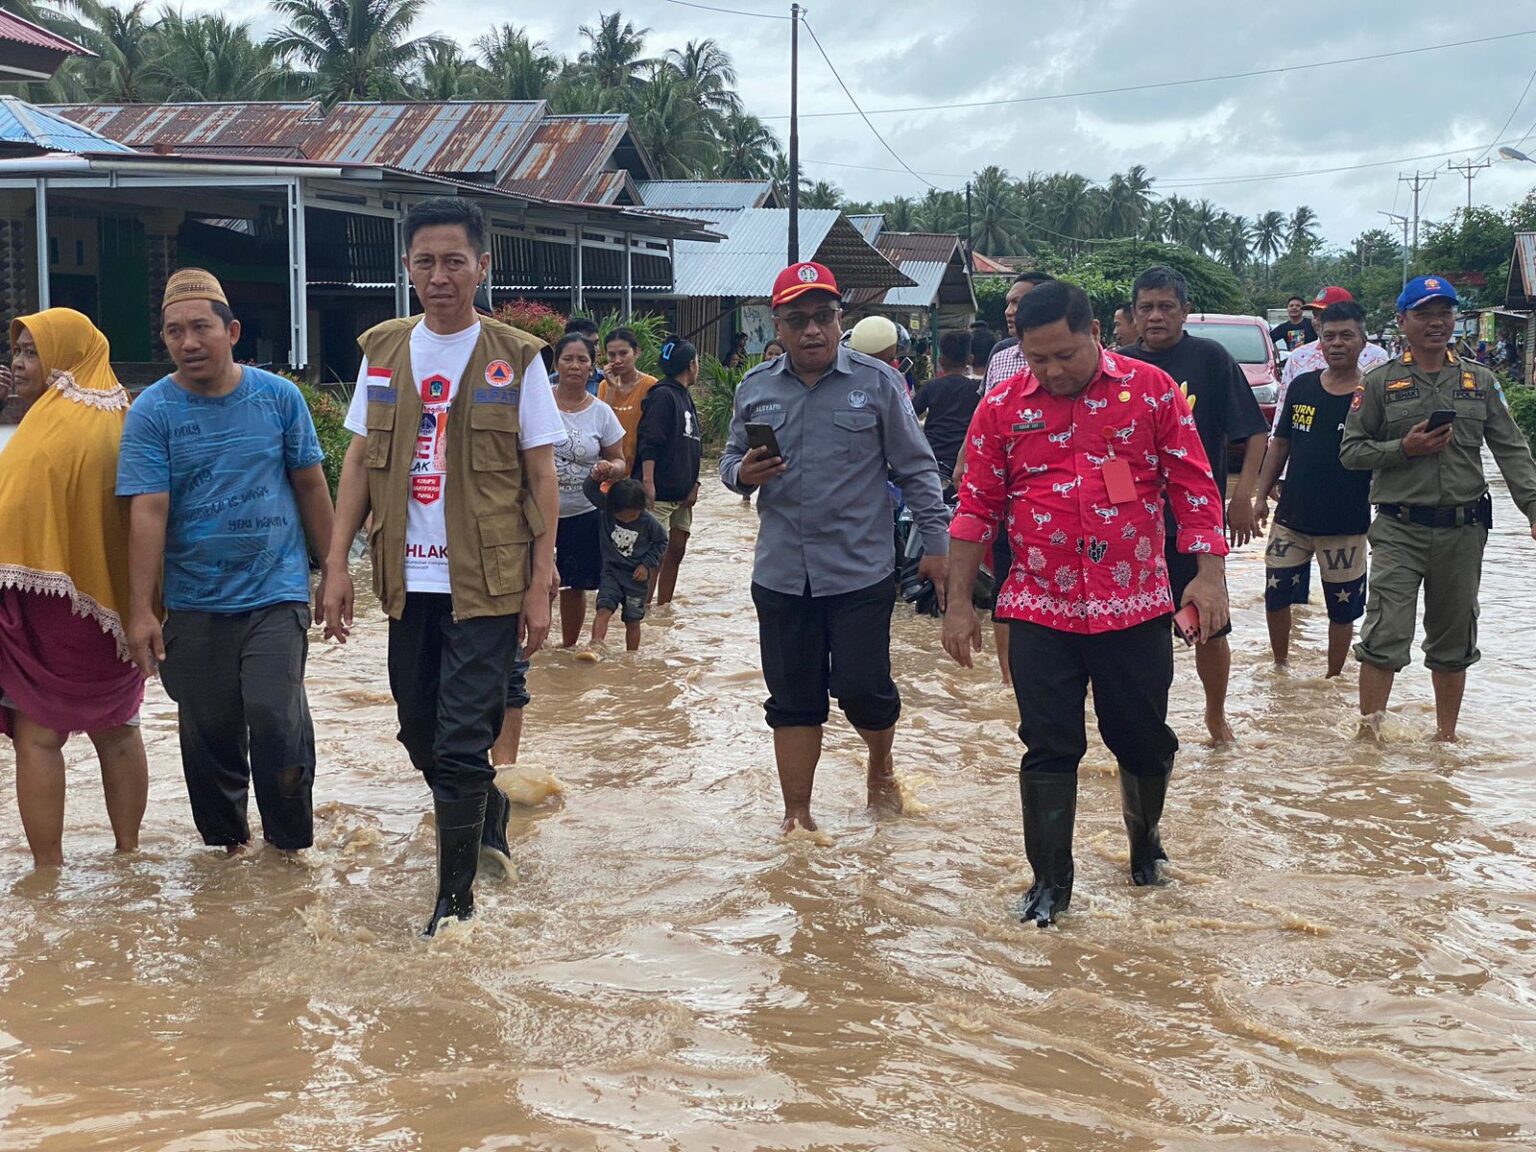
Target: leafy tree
{"type": "Point", "coordinates": [127, 45]}
{"type": "Point", "coordinates": [1212, 288]}
{"type": "Point", "coordinates": [516, 67]}
{"type": "Point", "coordinates": [1301, 232]}
{"type": "Point", "coordinates": [1477, 240]}
{"type": "Point", "coordinates": [1234, 243]}
{"type": "Point", "coordinates": [614, 57]}
{"type": "Point", "coordinates": [208, 58]}
{"type": "Point", "coordinates": [994, 216]}
{"type": "Point", "coordinates": [674, 127]}
{"type": "Point", "coordinates": [706, 70]}
{"type": "Point", "coordinates": [1203, 221]}
{"type": "Point", "coordinates": [352, 49]}
{"type": "Point", "coordinates": [822, 194]}
{"type": "Point", "coordinates": [447, 74]}
{"type": "Point", "coordinates": [748, 148]}
{"type": "Point", "coordinates": [1269, 235]}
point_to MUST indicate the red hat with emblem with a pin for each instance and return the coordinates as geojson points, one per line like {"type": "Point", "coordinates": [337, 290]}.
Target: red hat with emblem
{"type": "Point", "coordinates": [1326, 297]}
{"type": "Point", "coordinates": [798, 279]}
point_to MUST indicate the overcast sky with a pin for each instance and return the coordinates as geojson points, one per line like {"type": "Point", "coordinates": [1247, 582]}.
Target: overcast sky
{"type": "Point", "coordinates": [1194, 138]}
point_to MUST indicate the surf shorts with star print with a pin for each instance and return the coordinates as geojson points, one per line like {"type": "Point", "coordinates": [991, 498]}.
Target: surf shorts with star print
{"type": "Point", "coordinates": [1288, 569]}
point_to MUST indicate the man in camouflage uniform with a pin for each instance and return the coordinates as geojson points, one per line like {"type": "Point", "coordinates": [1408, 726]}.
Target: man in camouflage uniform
{"type": "Point", "coordinates": [1433, 507]}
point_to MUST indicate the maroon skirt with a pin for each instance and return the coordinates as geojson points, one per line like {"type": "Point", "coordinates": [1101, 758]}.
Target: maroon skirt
{"type": "Point", "coordinates": [61, 670]}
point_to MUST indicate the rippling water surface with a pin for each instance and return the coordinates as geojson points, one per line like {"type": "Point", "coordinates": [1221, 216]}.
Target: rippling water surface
{"type": "Point", "coordinates": [1345, 958]}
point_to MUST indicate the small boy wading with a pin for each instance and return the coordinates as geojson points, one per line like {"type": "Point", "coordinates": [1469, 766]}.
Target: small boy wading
{"type": "Point", "coordinates": [633, 542]}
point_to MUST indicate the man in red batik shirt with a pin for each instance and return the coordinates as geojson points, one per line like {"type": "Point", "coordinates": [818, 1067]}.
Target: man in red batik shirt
{"type": "Point", "coordinates": [1075, 455]}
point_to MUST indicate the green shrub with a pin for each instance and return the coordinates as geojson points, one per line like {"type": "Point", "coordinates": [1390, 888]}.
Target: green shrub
{"type": "Point", "coordinates": [1522, 403]}
{"type": "Point", "coordinates": [649, 328]}
{"type": "Point", "coordinates": [328, 409]}
{"type": "Point", "coordinates": [715, 398]}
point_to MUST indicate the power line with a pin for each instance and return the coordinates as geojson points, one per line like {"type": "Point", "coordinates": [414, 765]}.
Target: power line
{"type": "Point", "coordinates": [1162, 83]}
{"type": "Point", "coordinates": [817, 41]}
{"type": "Point", "coordinates": [732, 12]}
{"type": "Point", "coordinates": [1526, 91]}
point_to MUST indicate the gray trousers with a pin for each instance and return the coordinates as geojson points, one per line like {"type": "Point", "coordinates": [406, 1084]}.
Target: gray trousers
{"type": "Point", "coordinates": [238, 683]}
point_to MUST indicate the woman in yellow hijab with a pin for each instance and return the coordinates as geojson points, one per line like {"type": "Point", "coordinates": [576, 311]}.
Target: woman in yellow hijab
{"type": "Point", "coordinates": [64, 663]}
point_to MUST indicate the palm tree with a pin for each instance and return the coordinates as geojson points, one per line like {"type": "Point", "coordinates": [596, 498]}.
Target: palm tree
{"type": "Point", "coordinates": [517, 68]}
{"type": "Point", "coordinates": [1203, 226]}
{"type": "Point", "coordinates": [1122, 209]}
{"type": "Point", "coordinates": [1268, 238]}
{"type": "Point", "coordinates": [352, 49]}
{"type": "Point", "coordinates": [1234, 238]}
{"type": "Point", "coordinates": [822, 194]}
{"type": "Point", "coordinates": [615, 55]}
{"type": "Point", "coordinates": [1301, 232]}
{"type": "Point", "coordinates": [1154, 226]}
{"type": "Point", "coordinates": [940, 211]}
{"type": "Point", "coordinates": [127, 46]}
{"type": "Point", "coordinates": [1072, 206]}
{"type": "Point", "coordinates": [995, 218]}
{"type": "Point", "coordinates": [673, 126]}
{"type": "Point", "coordinates": [706, 69]}
{"type": "Point", "coordinates": [898, 213]}
{"type": "Point", "coordinates": [1181, 219]}
{"type": "Point", "coordinates": [748, 148]}
{"type": "Point", "coordinates": [208, 58]}
{"type": "Point", "coordinates": [448, 74]}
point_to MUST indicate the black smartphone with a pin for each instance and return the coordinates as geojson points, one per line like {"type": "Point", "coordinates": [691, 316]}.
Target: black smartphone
{"type": "Point", "coordinates": [1440, 419]}
{"type": "Point", "coordinates": [761, 436]}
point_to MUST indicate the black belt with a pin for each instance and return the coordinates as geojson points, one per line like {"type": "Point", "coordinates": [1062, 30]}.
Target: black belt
{"type": "Point", "coordinates": [1431, 516]}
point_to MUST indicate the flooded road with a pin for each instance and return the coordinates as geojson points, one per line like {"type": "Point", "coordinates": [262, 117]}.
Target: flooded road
{"type": "Point", "coordinates": [1345, 958]}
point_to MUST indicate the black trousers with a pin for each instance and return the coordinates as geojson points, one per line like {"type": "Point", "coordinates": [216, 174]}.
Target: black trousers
{"type": "Point", "coordinates": [1130, 672]}
{"type": "Point", "coordinates": [814, 647]}
{"type": "Point", "coordinates": [449, 680]}
{"type": "Point", "coordinates": [238, 683]}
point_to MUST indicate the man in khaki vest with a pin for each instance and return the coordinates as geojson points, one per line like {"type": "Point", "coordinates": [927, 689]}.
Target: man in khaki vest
{"type": "Point", "coordinates": [453, 426]}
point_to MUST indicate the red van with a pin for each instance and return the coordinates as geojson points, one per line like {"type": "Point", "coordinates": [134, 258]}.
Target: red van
{"type": "Point", "coordinates": [1247, 338]}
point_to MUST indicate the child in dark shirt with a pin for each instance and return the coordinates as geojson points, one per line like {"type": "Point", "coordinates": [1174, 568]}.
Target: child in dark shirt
{"type": "Point", "coordinates": [633, 542]}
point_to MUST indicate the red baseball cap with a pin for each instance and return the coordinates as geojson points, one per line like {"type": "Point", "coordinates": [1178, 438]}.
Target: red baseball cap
{"type": "Point", "coordinates": [1332, 294]}
{"type": "Point", "coordinates": [798, 279]}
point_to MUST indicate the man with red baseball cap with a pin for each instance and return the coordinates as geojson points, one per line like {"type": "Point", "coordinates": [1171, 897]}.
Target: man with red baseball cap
{"type": "Point", "coordinates": [816, 432]}
{"type": "Point", "coordinates": [1310, 358]}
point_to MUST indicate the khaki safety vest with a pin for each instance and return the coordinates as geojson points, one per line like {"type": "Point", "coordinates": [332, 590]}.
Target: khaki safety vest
{"type": "Point", "coordinates": [490, 512]}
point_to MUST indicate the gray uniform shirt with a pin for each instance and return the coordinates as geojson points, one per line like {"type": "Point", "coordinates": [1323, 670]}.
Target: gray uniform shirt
{"type": "Point", "coordinates": [826, 524]}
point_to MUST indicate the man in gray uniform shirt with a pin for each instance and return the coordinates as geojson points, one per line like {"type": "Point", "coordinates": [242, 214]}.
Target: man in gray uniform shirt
{"type": "Point", "coordinates": [823, 581]}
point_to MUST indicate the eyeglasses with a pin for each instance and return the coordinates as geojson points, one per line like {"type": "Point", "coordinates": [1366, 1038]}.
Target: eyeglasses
{"type": "Point", "coordinates": [800, 321]}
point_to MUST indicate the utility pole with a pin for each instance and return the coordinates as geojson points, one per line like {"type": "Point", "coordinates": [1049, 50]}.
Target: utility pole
{"type": "Point", "coordinates": [794, 133]}
{"type": "Point", "coordinates": [1417, 183]}
{"type": "Point", "coordinates": [1403, 221]}
{"type": "Point", "coordinates": [1469, 169]}
{"type": "Point", "coordinates": [970, 264]}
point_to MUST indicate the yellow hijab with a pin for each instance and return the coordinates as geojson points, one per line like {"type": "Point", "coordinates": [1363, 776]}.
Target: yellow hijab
{"type": "Point", "coordinates": [63, 530]}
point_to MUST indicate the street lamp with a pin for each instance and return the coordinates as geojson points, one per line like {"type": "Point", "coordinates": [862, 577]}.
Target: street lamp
{"type": "Point", "coordinates": [1515, 154]}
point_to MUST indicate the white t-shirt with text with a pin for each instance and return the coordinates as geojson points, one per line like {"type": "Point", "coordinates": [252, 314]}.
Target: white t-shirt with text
{"type": "Point", "coordinates": [586, 434]}
{"type": "Point", "coordinates": [437, 363]}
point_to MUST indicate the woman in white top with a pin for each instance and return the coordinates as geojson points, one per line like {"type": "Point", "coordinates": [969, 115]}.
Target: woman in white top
{"type": "Point", "coordinates": [592, 447]}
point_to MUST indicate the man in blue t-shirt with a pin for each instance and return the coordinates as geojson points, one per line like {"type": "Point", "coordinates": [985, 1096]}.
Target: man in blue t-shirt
{"type": "Point", "coordinates": [223, 469]}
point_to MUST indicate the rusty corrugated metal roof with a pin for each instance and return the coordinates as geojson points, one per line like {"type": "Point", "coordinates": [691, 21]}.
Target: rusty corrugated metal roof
{"type": "Point", "coordinates": [20, 31]}
{"type": "Point", "coordinates": [474, 139]}
{"type": "Point", "coordinates": [568, 156]}
{"type": "Point", "coordinates": [929, 247]}
{"type": "Point", "coordinates": [274, 127]}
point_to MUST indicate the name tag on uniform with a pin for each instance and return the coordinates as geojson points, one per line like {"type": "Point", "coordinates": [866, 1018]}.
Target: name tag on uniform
{"type": "Point", "coordinates": [497, 395]}
{"type": "Point", "coordinates": [1397, 392]}
{"type": "Point", "coordinates": [1030, 426]}
{"type": "Point", "coordinates": [378, 394]}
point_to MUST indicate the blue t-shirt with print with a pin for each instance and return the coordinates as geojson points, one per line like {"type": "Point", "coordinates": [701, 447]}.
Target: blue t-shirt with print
{"type": "Point", "coordinates": [233, 540]}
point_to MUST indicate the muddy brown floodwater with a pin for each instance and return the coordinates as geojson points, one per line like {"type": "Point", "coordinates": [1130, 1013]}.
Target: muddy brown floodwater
{"type": "Point", "coordinates": [1344, 959]}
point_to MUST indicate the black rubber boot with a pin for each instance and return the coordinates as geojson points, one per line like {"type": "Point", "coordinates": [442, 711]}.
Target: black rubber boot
{"type": "Point", "coordinates": [459, 823]}
{"type": "Point", "coordinates": [1050, 810]}
{"type": "Point", "coordinates": [1141, 800]}
{"type": "Point", "coordinates": [493, 837]}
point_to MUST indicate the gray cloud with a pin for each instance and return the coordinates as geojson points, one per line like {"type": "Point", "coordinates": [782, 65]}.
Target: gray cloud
{"type": "Point", "coordinates": [898, 53]}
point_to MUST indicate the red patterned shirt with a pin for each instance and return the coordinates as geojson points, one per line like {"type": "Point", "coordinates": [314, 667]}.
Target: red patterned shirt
{"type": "Point", "coordinates": [1082, 563]}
